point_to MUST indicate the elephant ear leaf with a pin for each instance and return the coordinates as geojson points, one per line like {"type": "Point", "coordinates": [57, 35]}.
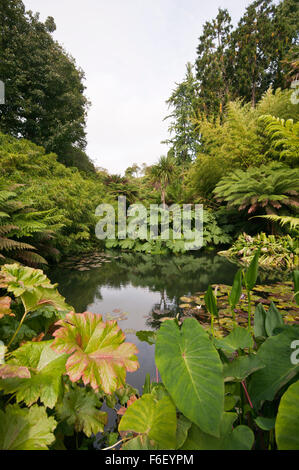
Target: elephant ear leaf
{"type": "Point", "coordinates": [287, 421]}
{"type": "Point", "coordinates": [191, 371]}
{"type": "Point", "coordinates": [98, 352]}
{"type": "Point", "coordinates": [26, 429]}
{"type": "Point", "coordinates": [153, 419]}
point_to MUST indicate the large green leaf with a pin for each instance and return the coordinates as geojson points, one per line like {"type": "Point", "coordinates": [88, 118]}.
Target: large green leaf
{"type": "Point", "coordinates": [99, 354]}
{"type": "Point", "coordinates": [240, 438]}
{"type": "Point", "coordinates": [239, 338]}
{"type": "Point", "coordinates": [287, 420]}
{"type": "Point", "coordinates": [155, 419]}
{"type": "Point", "coordinates": [80, 408]}
{"type": "Point", "coordinates": [35, 373]}
{"type": "Point", "coordinates": [275, 354]}
{"type": "Point", "coordinates": [191, 371]}
{"type": "Point", "coordinates": [183, 426]}
{"type": "Point", "coordinates": [33, 286]}
{"type": "Point", "coordinates": [241, 367]}
{"type": "Point", "coordinates": [141, 442]}
{"type": "Point", "coordinates": [26, 429]}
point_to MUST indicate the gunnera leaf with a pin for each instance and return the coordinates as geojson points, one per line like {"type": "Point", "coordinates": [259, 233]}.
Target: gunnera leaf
{"type": "Point", "coordinates": [80, 408]}
{"type": "Point", "coordinates": [99, 354]}
{"type": "Point", "coordinates": [26, 429]}
{"type": "Point", "coordinates": [34, 373]}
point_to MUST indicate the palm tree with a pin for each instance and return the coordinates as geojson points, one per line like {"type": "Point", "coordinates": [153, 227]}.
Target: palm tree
{"type": "Point", "coordinates": [162, 174]}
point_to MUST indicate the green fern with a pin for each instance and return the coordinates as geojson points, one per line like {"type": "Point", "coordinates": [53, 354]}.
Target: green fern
{"type": "Point", "coordinates": [293, 222]}
{"type": "Point", "coordinates": [285, 136]}
{"type": "Point", "coordinates": [268, 188]}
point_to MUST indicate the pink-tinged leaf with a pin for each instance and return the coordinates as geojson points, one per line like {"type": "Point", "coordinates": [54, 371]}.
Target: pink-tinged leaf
{"type": "Point", "coordinates": [5, 306]}
{"type": "Point", "coordinates": [8, 371]}
{"type": "Point", "coordinates": [99, 354]}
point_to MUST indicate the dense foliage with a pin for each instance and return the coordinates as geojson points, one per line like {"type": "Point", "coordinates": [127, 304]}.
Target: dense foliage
{"type": "Point", "coordinates": [233, 147]}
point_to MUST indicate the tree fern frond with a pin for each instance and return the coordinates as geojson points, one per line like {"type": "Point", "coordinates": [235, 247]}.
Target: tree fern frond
{"type": "Point", "coordinates": [282, 220]}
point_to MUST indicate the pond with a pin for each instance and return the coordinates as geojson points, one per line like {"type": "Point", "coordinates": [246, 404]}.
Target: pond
{"type": "Point", "coordinates": [138, 289]}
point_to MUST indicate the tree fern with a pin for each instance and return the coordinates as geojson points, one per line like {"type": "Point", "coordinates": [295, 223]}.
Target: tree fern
{"type": "Point", "coordinates": [285, 136]}
{"type": "Point", "coordinates": [269, 188]}
{"type": "Point", "coordinates": [18, 222]}
{"type": "Point", "coordinates": [293, 222]}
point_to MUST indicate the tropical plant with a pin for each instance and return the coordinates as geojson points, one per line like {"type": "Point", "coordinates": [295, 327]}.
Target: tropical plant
{"type": "Point", "coordinates": [226, 391]}
{"type": "Point", "coordinates": [279, 253]}
{"type": "Point", "coordinates": [44, 377]}
{"type": "Point", "coordinates": [20, 223]}
{"type": "Point", "coordinates": [285, 136]}
{"type": "Point", "coordinates": [162, 173]}
{"type": "Point", "coordinates": [267, 188]}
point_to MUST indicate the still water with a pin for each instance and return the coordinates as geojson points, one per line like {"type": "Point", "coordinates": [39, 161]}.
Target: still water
{"type": "Point", "coordinates": [137, 290]}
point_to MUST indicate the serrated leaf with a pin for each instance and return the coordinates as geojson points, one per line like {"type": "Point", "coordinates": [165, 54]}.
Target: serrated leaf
{"type": "Point", "coordinates": [155, 419]}
{"type": "Point", "coordinates": [5, 306]}
{"type": "Point", "coordinates": [98, 352]}
{"type": "Point", "coordinates": [80, 408]}
{"type": "Point", "coordinates": [45, 369]}
{"type": "Point", "coordinates": [33, 286]}
{"type": "Point", "coordinates": [191, 371]}
{"type": "Point", "coordinates": [26, 429]}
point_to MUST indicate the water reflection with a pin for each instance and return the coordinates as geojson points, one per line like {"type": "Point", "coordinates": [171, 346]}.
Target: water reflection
{"type": "Point", "coordinates": [138, 289]}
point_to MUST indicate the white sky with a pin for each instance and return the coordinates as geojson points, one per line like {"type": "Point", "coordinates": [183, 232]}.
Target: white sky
{"type": "Point", "coordinates": [133, 52]}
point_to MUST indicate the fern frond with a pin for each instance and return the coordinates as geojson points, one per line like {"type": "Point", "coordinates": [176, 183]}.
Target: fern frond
{"type": "Point", "coordinates": [282, 220]}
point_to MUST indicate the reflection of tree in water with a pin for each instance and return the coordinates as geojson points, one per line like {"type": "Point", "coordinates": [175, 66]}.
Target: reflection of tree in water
{"type": "Point", "coordinates": [159, 311]}
{"type": "Point", "coordinates": [172, 276]}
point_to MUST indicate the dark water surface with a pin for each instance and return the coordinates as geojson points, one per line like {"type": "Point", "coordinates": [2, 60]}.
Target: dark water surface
{"type": "Point", "coordinates": [135, 289]}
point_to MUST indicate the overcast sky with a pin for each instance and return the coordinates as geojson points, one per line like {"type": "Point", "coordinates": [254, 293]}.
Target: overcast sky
{"type": "Point", "coordinates": [133, 52]}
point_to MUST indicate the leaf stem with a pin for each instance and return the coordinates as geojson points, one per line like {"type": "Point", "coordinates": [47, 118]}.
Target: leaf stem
{"type": "Point", "coordinates": [18, 329]}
